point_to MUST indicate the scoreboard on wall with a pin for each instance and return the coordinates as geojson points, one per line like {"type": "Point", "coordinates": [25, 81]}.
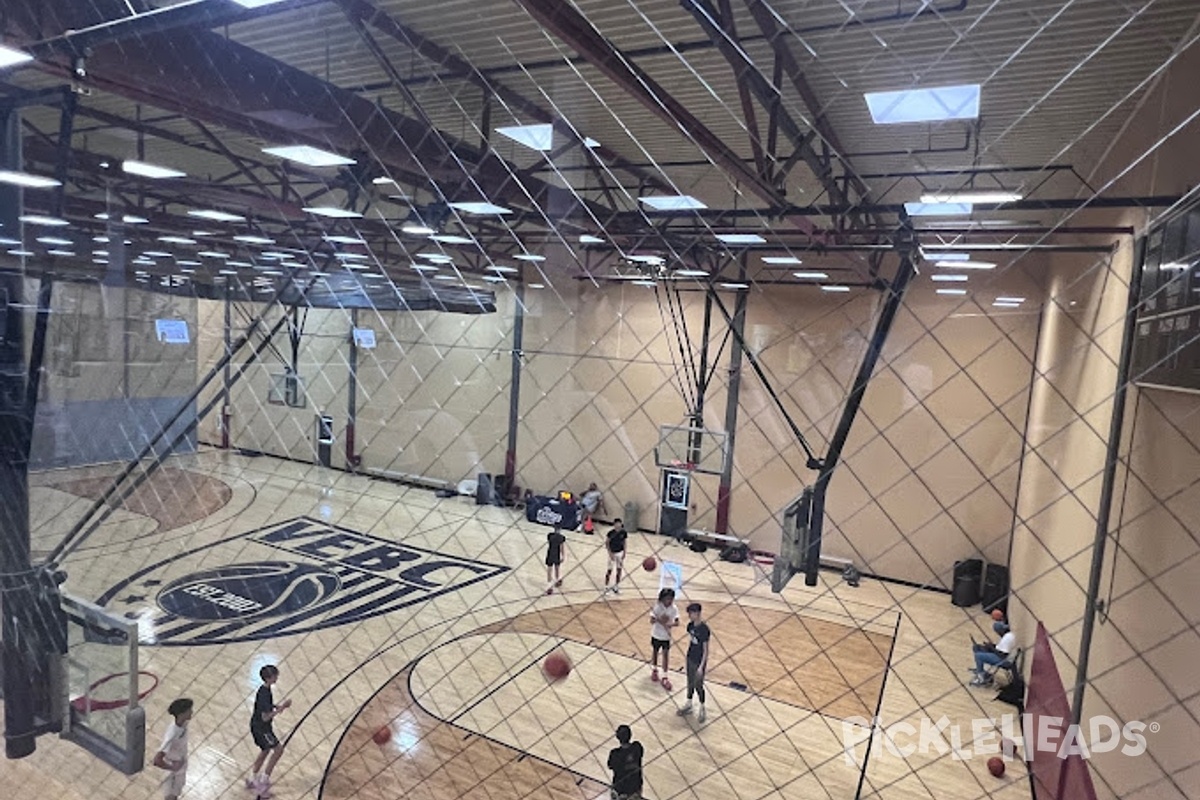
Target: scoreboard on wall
{"type": "Point", "coordinates": [1166, 349]}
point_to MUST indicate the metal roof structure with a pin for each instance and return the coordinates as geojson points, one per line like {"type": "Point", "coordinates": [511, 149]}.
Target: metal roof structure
{"type": "Point", "coordinates": [754, 108]}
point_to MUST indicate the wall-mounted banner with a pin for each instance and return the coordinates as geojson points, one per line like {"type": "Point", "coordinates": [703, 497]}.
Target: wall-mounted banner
{"type": "Point", "coordinates": [291, 577]}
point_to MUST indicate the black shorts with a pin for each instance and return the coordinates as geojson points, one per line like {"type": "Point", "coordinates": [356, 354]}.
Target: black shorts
{"type": "Point", "coordinates": [554, 563]}
{"type": "Point", "coordinates": [265, 739]}
{"type": "Point", "coordinates": [659, 644]}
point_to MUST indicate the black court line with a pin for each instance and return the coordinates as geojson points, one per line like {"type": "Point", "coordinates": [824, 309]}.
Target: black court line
{"type": "Point", "coordinates": [862, 775]}
{"type": "Point", "coordinates": [501, 684]}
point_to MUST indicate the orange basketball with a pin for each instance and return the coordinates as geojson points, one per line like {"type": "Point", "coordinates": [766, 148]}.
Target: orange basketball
{"type": "Point", "coordinates": [997, 614]}
{"type": "Point", "coordinates": [383, 735]}
{"type": "Point", "coordinates": [557, 666]}
{"type": "Point", "coordinates": [995, 766]}
{"type": "Point", "coordinates": [649, 563]}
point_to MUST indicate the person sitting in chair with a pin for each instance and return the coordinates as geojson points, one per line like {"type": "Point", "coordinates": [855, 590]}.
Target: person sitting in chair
{"type": "Point", "coordinates": [990, 655]}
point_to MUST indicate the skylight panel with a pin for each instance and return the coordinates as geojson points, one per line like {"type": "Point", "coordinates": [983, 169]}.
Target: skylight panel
{"type": "Point", "coordinates": [675, 202]}
{"type": "Point", "coordinates": [934, 104]}
{"type": "Point", "coordinates": [310, 156]}
{"type": "Point", "coordinates": [535, 137]}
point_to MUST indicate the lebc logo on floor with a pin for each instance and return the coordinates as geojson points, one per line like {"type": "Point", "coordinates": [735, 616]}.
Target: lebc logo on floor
{"type": "Point", "coordinates": [292, 577]}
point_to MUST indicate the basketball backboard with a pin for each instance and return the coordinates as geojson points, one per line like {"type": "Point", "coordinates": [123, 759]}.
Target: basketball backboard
{"type": "Point", "coordinates": [682, 447]}
{"type": "Point", "coordinates": [105, 686]}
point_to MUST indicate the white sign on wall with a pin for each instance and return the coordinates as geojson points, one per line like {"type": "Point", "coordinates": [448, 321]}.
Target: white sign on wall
{"type": "Point", "coordinates": [172, 331]}
{"type": "Point", "coordinates": [364, 337]}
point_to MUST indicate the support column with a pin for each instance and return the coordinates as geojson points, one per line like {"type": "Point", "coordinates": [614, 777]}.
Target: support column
{"type": "Point", "coordinates": [732, 397]}
{"type": "Point", "coordinates": [227, 376]}
{"type": "Point", "coordinates": [352, 459]}
{"type": "Point", "coordinates": [16, 597]}
{"type": "Point", "coordinates": [514, 386]}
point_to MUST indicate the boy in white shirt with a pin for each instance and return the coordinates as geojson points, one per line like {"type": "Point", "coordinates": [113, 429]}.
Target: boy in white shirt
{"type": "Point", "coordinates": [173, 755]}
{"type": "Point", "coordinates": [663, 617]}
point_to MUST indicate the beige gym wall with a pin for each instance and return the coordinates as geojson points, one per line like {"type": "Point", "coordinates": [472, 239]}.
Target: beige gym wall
{"type": "Point", "coordinates": [1143, 656]}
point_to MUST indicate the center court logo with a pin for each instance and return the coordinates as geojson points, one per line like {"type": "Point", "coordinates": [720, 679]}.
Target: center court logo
{"type": "Point", "coordinates": [1020, 737]}
{"type": "Point", "coordinates": [292, 577]}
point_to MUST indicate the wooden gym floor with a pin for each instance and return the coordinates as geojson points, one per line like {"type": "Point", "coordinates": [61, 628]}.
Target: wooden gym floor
{"type": "Point", "coordinates": [410, 635]}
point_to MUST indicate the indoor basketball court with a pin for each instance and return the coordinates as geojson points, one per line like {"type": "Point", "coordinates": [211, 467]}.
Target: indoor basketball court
{"type": "Point", "coordinates": [413, 349]}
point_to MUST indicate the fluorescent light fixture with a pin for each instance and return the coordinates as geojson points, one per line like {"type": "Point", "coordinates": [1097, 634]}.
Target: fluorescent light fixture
{"type": "Point", "coordinates": [213, 254]}
{"type": "Point", "coordinates": [188, 263]}
{"type": "Point", "coordinates": [445, 277]}
{"type": "Point", "coordinates": [176, 240]}
{"type": "Point", "coordinates": [691, 273]}
{"type": "Point", "coordinates": [19, 252]}
{"type": "Point", "coordinates": [942, 278]}
{"type": "Point", "coordinates": [937, 209]}
{"type": "Point", "coordinates": [587, 238]}
{"type": "Point", "coordinates": [246, 264]}
{"type": "Point", "coordinates": [810, 276]}
{"type": "Point", "coordinates": [437, 258]}
{"type": "Point", "coordinates": [998, 304]}
{"type": "Point", "coordinates": [781, 260]}
{"type": "Point", "coordinates": [446, 238]}
{"type": "Point", "coordinates": [481, 208]}
{"type": "Point", "coordinates": [971, 197]}
{"type": "Point", "coordinates": [39, 219]}
{"type": "Point", "coordinates": [130, 219]}
{"type": "Point", "coordinates": [7, 242]}
{"type": "Point", "coordinates": [1010, 299]}
{"type": "Point", "coordinates": [951, 291]}
{"type": "Point", "coordinates": [589, 142]}
{"type": "Point", "coordinates": [227, 272]}
{"type": "Point", "coordinates": [350, 256]}
{"type": "Point", "coordinates": [383, 180]}
{"type": "Point", "coordinates": [333, 211]}
{"type": "Point", "coordinates": [100, 239]}
{"type": "Point", "coordinates": [502, 268]}
{"type": "Point", "coordinates": [424, 267]}
{"type": "Point", "coordinates": [536, 285]}
{"type": "Point", "coordinates": [417, 229]}
{"type": "Point", "coordinates": [937, 255]}
{"type": "Point", "coordinates": [202, 234]}
{"type": "Point", "coordinates": [156, 254]}
{"type": "Point", "coordinates": [311, 156]}
{"type": "Point", "coordinates": [344, 239]}
{"type": "Point", "coordinates": [247, 239]}
{"type": "Point", "coordinates": [535, 137]}
{"type": "Point", "coordinates": [100, 252]}
{"type": "Point", "coordinates": [61, 252]}
{"type": "Point", "coordinates": [102, 261]}
{"type": "Point", "coordinates": [1169, 266]}
{"type": "Point", "coordinates": [150, 170]}
{"type": "Point", "coordinates": [529, 257]}
{"type": "Point", "coordinates": [935, 104]}
{"type": "Point", "coordinates": [216, 216]}
{"type": "Point", "coordinates": [643, 282]}
{"type": "Point", "coordinates": [273, 255]}
{"type": "Point", "coordinates": [55, 241]}
{"type": "Point", "coordinates": [835, 288]}
{"type": "Point", "coordinates": [654, 261]}
{"type": "Point", "coordinates": [673, 202]}
{"type": "Point", "coordinates": [741, 238]}
{"type": "Point", "coordinates": [495, 278]}
{"type": "Point", "coordinates": [735, 285]}
{"type": "Point", "coordinates": [25, 179]}
{"type": "Point", "coordinates": [11, 57]}
{"type": "Point", "coordinates": [964, 264]}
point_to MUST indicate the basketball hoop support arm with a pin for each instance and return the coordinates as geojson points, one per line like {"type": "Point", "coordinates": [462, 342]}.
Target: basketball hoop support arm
{"type": "Point", "coordinates": [905, 244]}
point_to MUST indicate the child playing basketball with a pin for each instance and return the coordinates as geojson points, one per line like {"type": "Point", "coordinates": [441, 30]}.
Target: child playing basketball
{"type": "Point", "coordinates": [663, 617]}
{"type": "Point", "coordinates": [555, 555]}
{"type": "Point", "coordinates": [697, 659]}
{"type": "Point", "coordinates": [172, 756]}
{"type": "Point", "coordinates": [615, 544]}
{"type": "Point", "coordinates": [263, 731]}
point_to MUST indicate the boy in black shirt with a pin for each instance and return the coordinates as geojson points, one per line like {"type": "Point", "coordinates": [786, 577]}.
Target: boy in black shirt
{"type": "Point", "coordinates": [626, 765]}
{"type": "Point", "coordinates": [262, 730]}
{"type": "Point", "coordinates": [697, 659]}
{"type": "Point", "coordinates": [555, 555]}
{"type": "Point", "coordinates": [616, 554]}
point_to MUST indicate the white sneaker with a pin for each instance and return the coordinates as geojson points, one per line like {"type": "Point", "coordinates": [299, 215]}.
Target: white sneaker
{"type": "Point", "coordinates": [616, 590]}
{"type": "Point", "coordinates": [703, 715]}
{"type": "Point", "coordinates": [683, 712]}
